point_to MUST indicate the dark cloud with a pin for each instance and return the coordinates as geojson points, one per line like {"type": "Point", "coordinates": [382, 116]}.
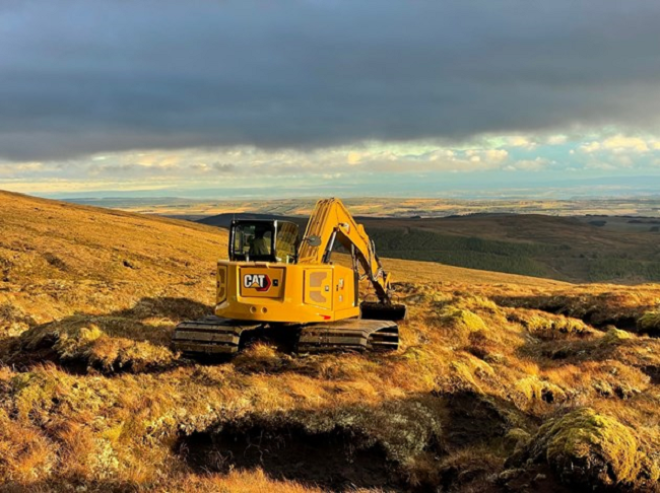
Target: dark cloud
{"type": "Point", "coordinates": [81, 76]}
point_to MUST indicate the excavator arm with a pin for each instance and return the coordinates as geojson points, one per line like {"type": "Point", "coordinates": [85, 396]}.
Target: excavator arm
{"type": "Point", "coordinates": [330, 222]}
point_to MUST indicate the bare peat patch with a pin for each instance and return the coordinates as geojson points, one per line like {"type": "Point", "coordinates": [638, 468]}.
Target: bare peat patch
{"type": "Point", "coordinates": [330, 460]}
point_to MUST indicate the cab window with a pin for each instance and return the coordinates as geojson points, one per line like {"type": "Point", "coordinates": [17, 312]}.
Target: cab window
{"type": "Point", "coordinates": [286, 241]}
{"type": "Point", "coordinates": [253, 241]}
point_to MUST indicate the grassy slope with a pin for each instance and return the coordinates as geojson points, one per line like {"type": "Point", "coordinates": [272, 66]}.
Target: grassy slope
{"type": "Point", "coordinates": [57, 259]}
{"type": "Point", "coordinates": [502, 381]}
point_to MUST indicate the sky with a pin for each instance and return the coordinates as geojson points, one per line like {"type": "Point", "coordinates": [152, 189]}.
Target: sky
{"type": "Point", "coordinates": [257, 98]}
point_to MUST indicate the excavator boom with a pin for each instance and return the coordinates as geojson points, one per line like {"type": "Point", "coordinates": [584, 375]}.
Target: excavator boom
{"type": "Point", "coordinates": [331, 222]}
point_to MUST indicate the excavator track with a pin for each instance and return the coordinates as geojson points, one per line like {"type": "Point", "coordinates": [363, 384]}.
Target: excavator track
{"type": "Point", "coordinates": [349, 335]}
{"type": "Point", "coordinates": [214, 335]}
{"type": "Point", "coordinates": [210, 335]}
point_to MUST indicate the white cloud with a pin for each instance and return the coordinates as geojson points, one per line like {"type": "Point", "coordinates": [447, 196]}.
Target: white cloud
{"type": "Point", "coordinates": [591, 147]}
{"type": "Point", "coordinates": [496, 155]}
{"type": "Point", "coordinates": [18, 169]}
{"type": "Point", "coordinates": [353, 158]}
{"type": "Point", "coordinates": [557, 140]}
{"type": "Point", "coordinates": [520, 141]}
{"type": "Point", "coordinates": [622, 143]}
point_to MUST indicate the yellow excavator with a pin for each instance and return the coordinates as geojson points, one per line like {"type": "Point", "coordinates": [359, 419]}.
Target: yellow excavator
{"type": "Point", "coordinates": [273, 279]}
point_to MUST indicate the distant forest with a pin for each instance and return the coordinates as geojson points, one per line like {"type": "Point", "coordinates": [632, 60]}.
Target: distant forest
{"type": "Point", "coordinates": [559, 261]}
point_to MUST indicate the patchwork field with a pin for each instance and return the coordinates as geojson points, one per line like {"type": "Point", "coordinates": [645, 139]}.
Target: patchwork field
{"type": "Point", "coordinates": [387, 207]}
{"type": "Point", "coordinates": [503, 382]}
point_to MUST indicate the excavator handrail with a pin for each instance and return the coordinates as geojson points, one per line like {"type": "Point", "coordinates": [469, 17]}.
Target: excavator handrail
{"type": "Point", "coordinates": [331, 221]}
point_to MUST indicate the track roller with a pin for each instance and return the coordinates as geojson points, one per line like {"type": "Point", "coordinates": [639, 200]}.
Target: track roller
{"type": "Point", "coordinates": [349, 335]}
{"type": "Point", "coordinates": [211, 335]}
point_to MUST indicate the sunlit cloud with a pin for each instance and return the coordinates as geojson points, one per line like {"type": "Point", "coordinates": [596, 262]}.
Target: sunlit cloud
{"type": "Point", "coordinates": [249, 166]}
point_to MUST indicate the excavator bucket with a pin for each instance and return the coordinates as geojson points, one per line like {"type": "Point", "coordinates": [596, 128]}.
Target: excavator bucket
{"type": "Point", "coordinates": [381, 311]}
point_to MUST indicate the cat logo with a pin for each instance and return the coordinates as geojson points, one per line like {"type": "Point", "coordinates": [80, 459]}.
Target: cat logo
{"type": "Point", "coordinates": [260, 282]}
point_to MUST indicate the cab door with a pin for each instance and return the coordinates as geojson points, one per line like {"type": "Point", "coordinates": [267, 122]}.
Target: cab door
{"type": "Point", "coordinates": [344, 292]}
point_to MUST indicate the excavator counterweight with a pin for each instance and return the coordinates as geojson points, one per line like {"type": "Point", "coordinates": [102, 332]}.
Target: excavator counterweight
{"type": "Point", "coordinates": [274, 280]}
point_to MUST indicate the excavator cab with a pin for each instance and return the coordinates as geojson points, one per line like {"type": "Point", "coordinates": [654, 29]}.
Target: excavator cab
{"type": "Point", "coordinates": [263, 241]}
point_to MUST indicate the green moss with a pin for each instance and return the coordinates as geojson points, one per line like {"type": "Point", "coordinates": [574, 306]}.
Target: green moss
{"type": "Point", "coordinates": [516, 438]}
{"type": "Point", "coordinates": [416, 353]}
{"type": "Point", "coordinates": [615, 336]}
{"type": "Point", "coordinates": [590, 449]}
{"type": "Point", "coordinates": [650, 322]}
{"type": "Point", "coordinates": [33, 393]}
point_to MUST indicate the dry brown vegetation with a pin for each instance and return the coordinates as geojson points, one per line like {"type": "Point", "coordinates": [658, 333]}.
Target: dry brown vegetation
{"type": "Point", "coordinates": [503, 383]}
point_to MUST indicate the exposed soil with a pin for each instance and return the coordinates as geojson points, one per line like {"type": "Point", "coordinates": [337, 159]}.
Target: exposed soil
{"type": "Point", "coordinates": [652, 371]}
{"type": "Point", "coordinates": [329, 460]}
{"type": "Point", "coordinates": [474, 419]}
{"type": "Point", "coordinates": [534, 479]}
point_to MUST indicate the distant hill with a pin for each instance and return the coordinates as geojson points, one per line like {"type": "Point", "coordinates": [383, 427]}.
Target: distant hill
{"type": "Point", "coordinates": [224, 220]}
{"type": "Point", "coordinates": [574, 249]}
{"type": "Point", "coordinates": [564, 248]}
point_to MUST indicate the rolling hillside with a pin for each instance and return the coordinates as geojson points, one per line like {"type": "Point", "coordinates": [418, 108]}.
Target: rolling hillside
{"type": "Point", "coordinates": [503, 383]}
{"type": "Point", "coordinates": [574, 249]}
{"type": "Point", "coordinates": [49, 246]}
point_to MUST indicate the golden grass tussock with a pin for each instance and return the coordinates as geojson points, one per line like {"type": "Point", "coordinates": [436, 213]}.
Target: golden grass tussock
{"type": "Point", "coordinates": [532, 391]}
{"type": "Point", "coordinates": [548, 326]}
{"type": "Point", "coordinates": [597, 305]}
{"type": "Point", "coordinates": [614, 336]}
{"type": "Point", "coordinates": [256, 481]}
{"type": "Point", "coordinates": [460, 323]}
{"type": "Point", "coordinates": [80, 341]}
{"type": "Point", "coordinates": [496, 384]}
{"type": "Point", "coordinates": [25, 453]}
